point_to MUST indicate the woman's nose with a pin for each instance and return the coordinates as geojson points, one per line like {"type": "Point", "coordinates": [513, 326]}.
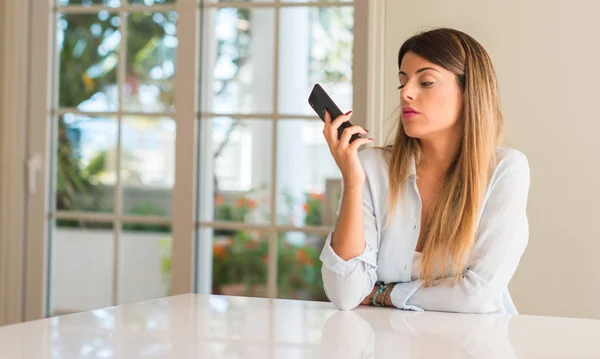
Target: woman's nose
{"type": "Point", "coordinates": [408, 93]}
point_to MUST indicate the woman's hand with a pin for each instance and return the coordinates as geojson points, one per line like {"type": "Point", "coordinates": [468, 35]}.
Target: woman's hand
{"type": "Point", "coordinates": [369, 299]}
{"type": "Point", "coordinates": [344, 152]}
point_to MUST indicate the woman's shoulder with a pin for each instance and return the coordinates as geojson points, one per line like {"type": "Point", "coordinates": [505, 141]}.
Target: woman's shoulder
{"type": "Point", "coordinates": [507, 158]}
{"type": "Point", "coordinates": [373, 154]}
{"type": "Point", "coordinates": [375, 161]}
{"type": "Point", "coordinates": [511, 164]}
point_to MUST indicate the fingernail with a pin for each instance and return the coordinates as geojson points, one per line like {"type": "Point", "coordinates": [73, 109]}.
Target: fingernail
{"type": "Point", "coordinates": [349, 112]}
{"type": "Point", "coordinates": [372, 139]}
{"type": "Point", "coordinates": [365, 129]}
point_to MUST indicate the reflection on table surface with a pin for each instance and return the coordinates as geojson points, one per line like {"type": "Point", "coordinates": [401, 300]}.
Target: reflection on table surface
{"type": "Point", "coordinates": [192, 326]}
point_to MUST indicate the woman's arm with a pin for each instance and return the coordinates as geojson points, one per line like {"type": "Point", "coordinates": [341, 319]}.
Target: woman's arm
{"type": "Point", "coordinates": [501, 239]}
{"type": "Point", "coordinates": [348, 237]}
{"type": "Point", "coordinates": [350, 274]}
{"type": "Point", "coordinates": [350, 253]}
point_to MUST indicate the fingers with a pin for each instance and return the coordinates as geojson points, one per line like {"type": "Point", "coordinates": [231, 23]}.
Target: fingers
{"type": "Point", "coordinates": [330, 131]}
{"type": "Point", "coordinates": [331, 140]}
{"type": "Point", "coordinates": [348, 132]}
{"type": "Point", "coordinates": [359, 142]}
{"type": "Point", "coordinates": [327, 118]}
{"type": "Point", "coordinates": [331, 127]}
{"type": "Point", "coordinates": [341, 119]}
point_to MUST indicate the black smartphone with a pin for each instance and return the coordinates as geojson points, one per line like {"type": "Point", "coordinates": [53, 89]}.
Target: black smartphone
{"type": "Point", "coordinates": [319, 100]}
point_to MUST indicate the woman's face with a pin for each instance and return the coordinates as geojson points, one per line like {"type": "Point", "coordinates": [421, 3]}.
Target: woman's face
{"type": "Point", "coordinates": [430, 98]}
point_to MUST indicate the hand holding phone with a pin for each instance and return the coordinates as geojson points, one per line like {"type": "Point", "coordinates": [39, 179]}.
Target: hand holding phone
{"type": "Point", "coordinates": [320, 101]}
{"type": "Point", "coordinates": [345, 154]}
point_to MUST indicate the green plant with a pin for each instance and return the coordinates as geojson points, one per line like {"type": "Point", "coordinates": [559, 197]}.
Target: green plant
{"type": "Point", "coordinates": [299, 269]}
{"type": "Point", "coordinates": [76, 185]}
{"type": "Point", "coordinates": [233, 212]}
{"type": "Point", "coordinates": [166, 264]}
{"type": "Point", "coordinates": [246, 207]}
{"type": "Point", "coordinates": [243, 259]}
{"type": "Point", "coordinates": [313, 209]}
{"type": "Point", "coordinates": [87, 67]}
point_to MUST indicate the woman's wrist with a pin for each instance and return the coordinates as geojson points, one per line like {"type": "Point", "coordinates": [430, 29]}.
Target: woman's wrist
{"type": "Point", "coordinates": [385, 300]}
{"type": "Point", "coordinates": [382, 296]}
{"type": "Point", "coordinates": [377, 293]}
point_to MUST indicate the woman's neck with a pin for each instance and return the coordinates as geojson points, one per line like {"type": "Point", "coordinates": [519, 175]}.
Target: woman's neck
{"type": "Point", "coordinates": [437, 155]}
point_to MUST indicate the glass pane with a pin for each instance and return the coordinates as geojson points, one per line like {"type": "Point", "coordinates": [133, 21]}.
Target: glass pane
{"type": "Point", "coordinates": [145, 262]}
{"type": "Point", "coordinates": [81, 266]}
{"type": "Point", "coordinates": [308, 179]}
{"type": "Point", "coordinates": [316, 45]}
{"type": "Point", "coordinates": [235, 182]}
{"type": "Point", "coordinates": [147, 165]}
{"type": "Point", "coordinates": [299, 267]}
{"type": "Point", "coordinates": [238, 53]}
{"type": "Point", "coordinates": [111, 3]}
{"type": "Point", "coordinates": [150, 2]}
{"type": "Point", "coordinates": [151, 45]}
{"type": "Point", "coordinates": [85, 163]}
{"type": "Point", "coordinates": [88, 46]}
{"type": "Point", "coordinates": [240, 261]}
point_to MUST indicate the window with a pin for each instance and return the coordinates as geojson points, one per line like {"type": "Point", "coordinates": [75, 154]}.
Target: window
{"type": "Point", "coordinates": [113, 152]}
{"type": "Point", "coordinates": [269, 210]}
{"type": "Point", "coordinates": [169, 115]}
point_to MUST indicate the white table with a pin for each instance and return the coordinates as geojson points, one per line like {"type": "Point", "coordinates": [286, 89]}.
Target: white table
{"type": "Point", "coordinates": [202, 326]}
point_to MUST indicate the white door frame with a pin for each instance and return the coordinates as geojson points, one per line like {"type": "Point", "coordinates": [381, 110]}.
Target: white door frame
{"type": "Point", "coordinates": [40, 102]}
{"type": "Point", "coordinates": [186, 117]}
{"type": "Point", "coordinates": [14, 52]}
{"type": "Point", "coordinates": [374, 45]}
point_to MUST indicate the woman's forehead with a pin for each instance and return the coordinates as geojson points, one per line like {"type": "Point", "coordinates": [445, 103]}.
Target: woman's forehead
{"type": "Point", "coordinates": [413, 63]}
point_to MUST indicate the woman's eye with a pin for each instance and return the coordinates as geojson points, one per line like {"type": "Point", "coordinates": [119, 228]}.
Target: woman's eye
{"type": "Point", "coordinates": [426, 84]}
{"type": "Point", "coordinates": [400, 87]}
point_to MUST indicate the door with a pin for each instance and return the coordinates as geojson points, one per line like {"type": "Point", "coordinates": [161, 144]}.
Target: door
{"type": "Point", "coordinates": [177, 150]}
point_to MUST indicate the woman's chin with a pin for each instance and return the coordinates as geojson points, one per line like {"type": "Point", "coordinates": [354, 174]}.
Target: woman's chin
{"type": "Point", "coordinates": [412, 132]}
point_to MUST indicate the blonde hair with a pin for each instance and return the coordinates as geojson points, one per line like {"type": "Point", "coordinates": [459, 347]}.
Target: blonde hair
{"type": "Point", "coordinates": [449, 231]}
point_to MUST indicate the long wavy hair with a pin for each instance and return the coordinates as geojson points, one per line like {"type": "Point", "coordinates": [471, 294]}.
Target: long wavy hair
{"type": "Point", "coordinates": [450, 229]}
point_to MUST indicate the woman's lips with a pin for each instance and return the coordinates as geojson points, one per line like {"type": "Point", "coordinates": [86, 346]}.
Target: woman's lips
{"type": "Point", "coordinates": [409, 114]}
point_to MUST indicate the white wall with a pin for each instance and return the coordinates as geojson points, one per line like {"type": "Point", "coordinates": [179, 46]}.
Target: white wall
{"type": "Point", "coordinates": [546, 55]}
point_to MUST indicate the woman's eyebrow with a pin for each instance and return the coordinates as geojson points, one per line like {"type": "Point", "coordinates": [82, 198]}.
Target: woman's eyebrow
{"type": "Point", "coordinates": [418, 71]}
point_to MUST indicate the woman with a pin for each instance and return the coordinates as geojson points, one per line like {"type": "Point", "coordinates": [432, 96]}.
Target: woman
{"type": "Point", "coordinates": [436, 221]}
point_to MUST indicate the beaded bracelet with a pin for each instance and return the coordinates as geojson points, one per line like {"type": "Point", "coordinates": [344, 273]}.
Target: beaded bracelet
{"type": "Point", "coordinates": [386, 300]}
{"type": "Point", "coordinates": [382, 297]}
{"type": "Point", "coordinates": [382, 293]}
{"type": "Point", "coordinates": [379, 291]}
